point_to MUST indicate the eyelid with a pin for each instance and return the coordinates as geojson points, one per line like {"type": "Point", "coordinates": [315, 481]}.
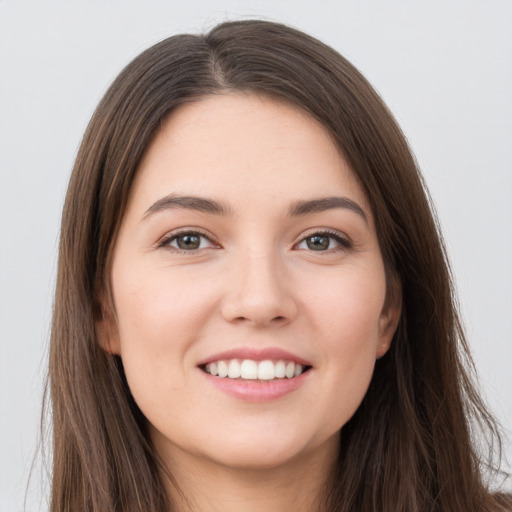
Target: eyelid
{"type": "Point", "coordinates": [164, 241]}
{"type": "Point", "coordinates": [344, 240]}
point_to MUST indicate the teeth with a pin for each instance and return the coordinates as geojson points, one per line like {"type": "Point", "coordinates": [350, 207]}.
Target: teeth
{"type": "Point", "coordinates": [280, 370]}
{"type": "Point", "coordinates": [266, 370]}
{"type": "Point", "coordinates": [249, 369]}
{"type": "Point", "coordinates": [222, 369]}
{"type": "Point", "coordinates": [290, 370]}
{"type": "Point", "coordinates": [254, 370]}
{"type": "Point", "coordinates": [234, 369]}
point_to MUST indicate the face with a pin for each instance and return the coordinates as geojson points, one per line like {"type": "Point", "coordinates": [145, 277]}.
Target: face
{"type": "Point", "coordinates": [248, 285]}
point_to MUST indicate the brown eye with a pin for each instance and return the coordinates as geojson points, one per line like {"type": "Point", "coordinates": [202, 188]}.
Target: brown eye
{"type": "Point", "coordinates": [323, 242]}
{"type": "Point", "coordinates": [318, 242]}
{"type": "Point", "coordinates": [190, 241]}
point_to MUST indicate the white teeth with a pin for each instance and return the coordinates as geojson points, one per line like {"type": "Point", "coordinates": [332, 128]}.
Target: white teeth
{"type": "Point", "coordinates": [249, 369]}
{"type": "Point", "coordinates": [211, 368]}
{"type": "Point", "coordinates": [266, 370]}
{"type": "Point", "coordinates": [234, 369]}
{"type": "Point", "coordinates": [280, 370]}
{"type": "Point", "coordinates": [222, 369]}
{"type": "Point", "coordinates": [254, 370]}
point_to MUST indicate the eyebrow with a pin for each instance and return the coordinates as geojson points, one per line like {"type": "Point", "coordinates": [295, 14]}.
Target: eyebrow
{"type": "Point", "coordinates": [326, 203]}
{"type": "Point", "coordinates": [200, 204]}
{"type": "Point", "coordinates": [298, 208]}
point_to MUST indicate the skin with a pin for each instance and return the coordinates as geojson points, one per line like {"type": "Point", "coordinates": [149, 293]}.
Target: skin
{"type": "Point", "coordinates": [253, 282]}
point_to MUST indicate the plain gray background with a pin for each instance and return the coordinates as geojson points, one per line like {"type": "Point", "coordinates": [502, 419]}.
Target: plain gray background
{"type": "Point", "coordinates": [443, 67]}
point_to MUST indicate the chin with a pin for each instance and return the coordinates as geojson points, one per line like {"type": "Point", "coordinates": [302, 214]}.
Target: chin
{"type": "Point", "coordinates": [259, 453]}
{"type": "Point", "coordinates": [255, 459]}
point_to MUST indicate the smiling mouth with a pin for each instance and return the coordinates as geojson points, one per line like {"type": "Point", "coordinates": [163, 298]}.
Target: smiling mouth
{"type": "Point", "coordinates": [249, 369]}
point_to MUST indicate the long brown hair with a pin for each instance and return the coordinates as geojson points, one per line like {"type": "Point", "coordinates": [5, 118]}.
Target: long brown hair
{"type": "Point", "coordinates": [410, 445]}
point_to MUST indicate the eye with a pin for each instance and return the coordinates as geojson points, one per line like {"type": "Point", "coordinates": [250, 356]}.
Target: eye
{"type": "Point", "coordinates": [187, 241]}
{"type": "Point", "coordinates": [322, 242]}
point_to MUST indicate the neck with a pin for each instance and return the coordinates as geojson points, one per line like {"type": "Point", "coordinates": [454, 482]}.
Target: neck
{"type": "Point", "coordinates": [199, 485]}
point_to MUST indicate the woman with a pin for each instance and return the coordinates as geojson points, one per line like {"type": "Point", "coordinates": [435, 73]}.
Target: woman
{"type": "Point", "coordinates": [254, 309]}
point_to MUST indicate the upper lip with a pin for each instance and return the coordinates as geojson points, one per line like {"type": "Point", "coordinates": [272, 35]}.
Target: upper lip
{"type": "Point", "coordinates": [256, 354]}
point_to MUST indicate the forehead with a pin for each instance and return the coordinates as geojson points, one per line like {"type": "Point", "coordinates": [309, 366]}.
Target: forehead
{"type": "Point", "coordinates": [238, 146]}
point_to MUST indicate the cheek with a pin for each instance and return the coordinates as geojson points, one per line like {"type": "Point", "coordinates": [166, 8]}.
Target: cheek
{"type": "Point", "coordinates": [346, 322]}
{"type": "Point", "coordinates": [159, 310]}
{"type": "Point", "coordinates": [347, 307]}
{"type": "Point", "coordinates": [159, 318]}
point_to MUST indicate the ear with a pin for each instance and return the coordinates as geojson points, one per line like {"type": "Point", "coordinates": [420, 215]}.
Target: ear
{"type": "Point", "coordinates": [105, 325]}
{"type": "Point", "coordinates": [389, 318]}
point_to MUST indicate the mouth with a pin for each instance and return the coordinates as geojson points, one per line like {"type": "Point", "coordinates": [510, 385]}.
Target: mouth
{"type": "Point", "coordinates": [255, 370]}
{"type": "Point", "coordinates": [256, 374]}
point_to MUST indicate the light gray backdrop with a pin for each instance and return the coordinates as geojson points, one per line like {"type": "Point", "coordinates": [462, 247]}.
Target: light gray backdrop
{"type": "Point", "coordinates": [444, 68]}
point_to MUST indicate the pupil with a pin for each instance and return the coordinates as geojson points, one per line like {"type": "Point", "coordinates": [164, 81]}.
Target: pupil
{"type": "Point", "coordinates": [318, 242]}
{"type": "Point", "coordinates": [188, 242]}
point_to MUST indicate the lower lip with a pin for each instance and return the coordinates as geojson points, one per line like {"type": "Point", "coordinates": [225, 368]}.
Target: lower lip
{"type": "Point", "coordinates": [257, 390]}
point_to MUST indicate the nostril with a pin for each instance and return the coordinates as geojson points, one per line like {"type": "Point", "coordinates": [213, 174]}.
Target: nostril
{"type": "Point", "coordinates": [259, 309]}
{"type": "Point", "coordinates": [244, 319]}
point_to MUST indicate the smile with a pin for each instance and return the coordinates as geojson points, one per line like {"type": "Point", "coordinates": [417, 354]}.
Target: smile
{"type": "Point", "coordinates": [249, 369]}
{"type": "Point", "coordinates": [255, 374]}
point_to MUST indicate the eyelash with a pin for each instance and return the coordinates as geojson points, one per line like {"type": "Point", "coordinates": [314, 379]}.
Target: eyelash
{"type": "Point", "coordinates": [344, 243]}
{"type": "Point", "coordinates": [165, 242]}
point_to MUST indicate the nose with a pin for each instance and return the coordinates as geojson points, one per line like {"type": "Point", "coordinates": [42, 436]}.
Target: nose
{"type": "Point", "coordinates": [259, 292]}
